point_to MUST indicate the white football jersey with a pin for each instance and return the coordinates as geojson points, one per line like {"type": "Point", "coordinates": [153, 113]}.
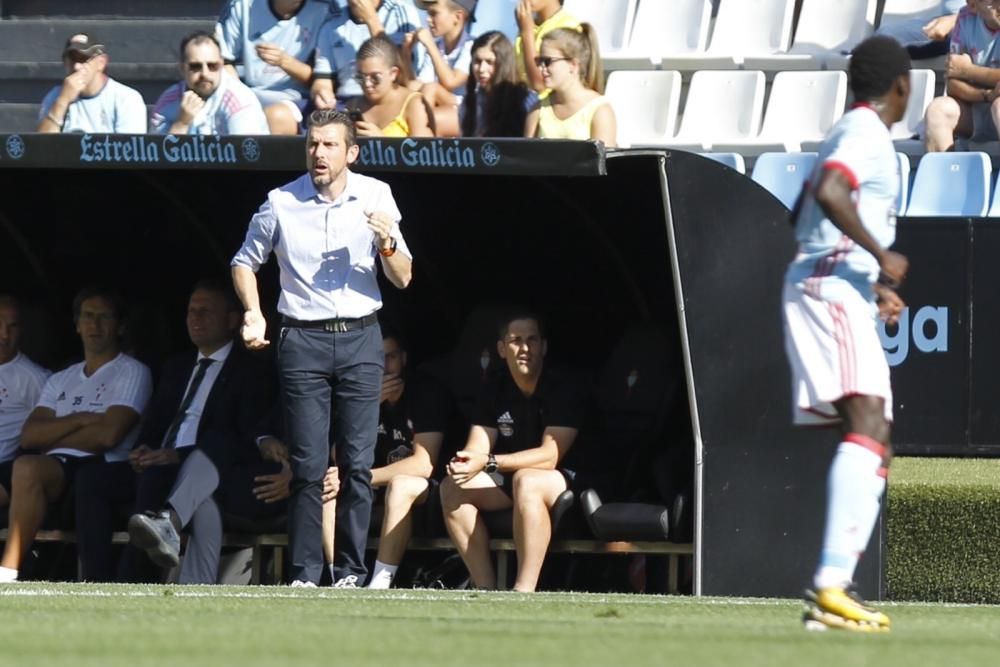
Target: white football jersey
{"type": "Point", "coordinates": [21, 382]}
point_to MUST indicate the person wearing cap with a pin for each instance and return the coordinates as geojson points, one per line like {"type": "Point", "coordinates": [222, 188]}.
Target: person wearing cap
{"type": "Point", "coordinates": [351, 24]}
{"type": "Point", "coordinates": [209, 100]}
{"type": "Point", "coordinates": [88, 99]}
{"type": "Point", "coordinates": [274, 43]}
{"type": "Point", "coordinates": [444, 53]}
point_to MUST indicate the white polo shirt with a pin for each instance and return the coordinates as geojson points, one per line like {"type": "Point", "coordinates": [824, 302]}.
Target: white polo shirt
{"type": "Point", "coordinates": [21, 382]}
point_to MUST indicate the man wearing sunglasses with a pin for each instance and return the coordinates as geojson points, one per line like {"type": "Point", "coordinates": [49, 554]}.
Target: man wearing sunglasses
{"type": "Point", "coordinates": [88, 100]}
{"type": "Point", "coordinates": [208, 100]}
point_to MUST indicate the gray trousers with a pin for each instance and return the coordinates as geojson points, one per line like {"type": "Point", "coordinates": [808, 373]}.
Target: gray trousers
{"type": "Point", "coordinates": [192, 499]}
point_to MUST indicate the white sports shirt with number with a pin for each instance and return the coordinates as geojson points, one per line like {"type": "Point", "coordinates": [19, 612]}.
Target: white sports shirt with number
{"type": "Point", "coordinates": [21, 382]}
{"type": "Point", "coordinates": [860, 147]}
{"type": "Point", "coordinates": [122, 381]}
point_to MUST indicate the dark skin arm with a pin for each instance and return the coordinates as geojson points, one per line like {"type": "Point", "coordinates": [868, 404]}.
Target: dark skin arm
{"type": "Point", "coordinates": [833, 194]}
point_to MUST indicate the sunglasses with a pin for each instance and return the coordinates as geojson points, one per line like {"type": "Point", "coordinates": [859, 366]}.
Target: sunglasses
{"type": "Point", "coordinates": [198, 67]}
{"type": "Point", "coordinates": [375, 78]}
{"type": "Point", "coordinates": [546, 61]}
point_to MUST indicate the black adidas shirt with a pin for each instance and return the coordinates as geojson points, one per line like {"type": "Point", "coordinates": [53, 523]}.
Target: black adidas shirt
{"type": "Point", "coordinates": [424, 407]}
{"type": "Point", "coordinates": [559, 400]}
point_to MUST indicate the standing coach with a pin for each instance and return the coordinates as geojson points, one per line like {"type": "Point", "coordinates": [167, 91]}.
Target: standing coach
{"type": "Point", "coordinates": [326, 228]}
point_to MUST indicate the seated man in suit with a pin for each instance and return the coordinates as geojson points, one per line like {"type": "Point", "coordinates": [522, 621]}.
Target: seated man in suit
{"type": "Point", "coordinates": [87, 414]}
{"type": "Point", "coordinates": [206, 403]}
{"type": "Point", "coordinates": [529, 417]}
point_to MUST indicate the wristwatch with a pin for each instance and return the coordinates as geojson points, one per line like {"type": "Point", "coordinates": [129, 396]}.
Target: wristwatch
{"type": "Point", "coordinates": [491, 464]}
{"type": "Point", "coordinates": [390, 251]}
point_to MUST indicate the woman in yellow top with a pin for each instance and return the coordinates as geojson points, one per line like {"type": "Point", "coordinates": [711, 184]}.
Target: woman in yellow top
{"type": "Point", "coordinates": [570, 62]}
{"type": "Point", "coordinates": [387, 107]}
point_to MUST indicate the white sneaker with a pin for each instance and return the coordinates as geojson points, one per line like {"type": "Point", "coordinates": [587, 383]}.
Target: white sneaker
{"type": "Point", "coordinates": [350, 581]}
{"type": "Point", "coordinates": [8, 575]}
{"type": "Point", "coordinates": [298, 583]}
{"type": "Point", "coordinates": [382, 580]}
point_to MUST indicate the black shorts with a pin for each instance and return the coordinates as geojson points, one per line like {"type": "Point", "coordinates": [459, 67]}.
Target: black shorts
{"type": "Point", "coordinates": [71, 464]}
{"type": "Point", "coordinates": [6, 472]}
{"type": "Point", "coordinates": [505, 481]}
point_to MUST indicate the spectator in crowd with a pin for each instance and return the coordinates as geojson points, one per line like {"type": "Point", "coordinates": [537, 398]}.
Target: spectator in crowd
{"type": "Point", "coordinates": [387, 108]}
{"type": "Point", "coordinates": [274, 41]}
{"type": "Point", "coordinates": [412, 420]}
{"type": "Point", "coordinates": [330, 358]}
{"type": "Point", "coordinates": [448, 49]}
{"type": "Point", "coordinates": [969, 108]}
{"type": "Point", "coordinates": [209, 100]}
{"type": "Point", "coordinates": [575, 109]}
{"type": "Point", "coordinates": [922, 38]}
{"type": "Point", "coordinates": [87, 413]}
{"type": "Point", "coordinates": [21, 382]}
{"type": "Point", "coordinates": [336, 53]}
{"type": "Point", "coordinates": [529, 417]}
{"type": "Point", "coordinates": [536, 19]}
{"type": "Point", "coordinates": [496, 102]}
{"type": "Point", "coordinates": [88, 99]}
{"type": "Point", "coordinates": [207, 400]}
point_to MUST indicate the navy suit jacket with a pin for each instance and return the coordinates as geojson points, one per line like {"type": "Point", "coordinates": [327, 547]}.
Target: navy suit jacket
{"type": "Point", "coordinates": [241, 393]}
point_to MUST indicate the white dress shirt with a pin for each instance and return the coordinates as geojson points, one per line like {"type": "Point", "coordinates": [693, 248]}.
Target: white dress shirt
{"type": "Point", "coordinates": [187, 433]}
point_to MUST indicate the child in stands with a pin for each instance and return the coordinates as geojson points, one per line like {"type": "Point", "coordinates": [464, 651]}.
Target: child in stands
{"type": "Point", "coordinates": [496, 102]}
{"type": "Point", "coordinates": [570, 62]}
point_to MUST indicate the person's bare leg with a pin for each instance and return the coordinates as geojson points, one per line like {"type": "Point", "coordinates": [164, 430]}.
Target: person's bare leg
{"type": "Point", "coordinates": [281, 119]}
{"type": "Point", "coordinates": [36, 481]}
{"type": "Point", "coordinates": [945, 119]}
{"type": "Point", "coordinates": [535, 492]}
{"type": "Point", "coordinates": [461, 506]}
{"type": "Point", "coordinates": [401, 494]}
{"type": "Point", "coordinates": [329, 529]}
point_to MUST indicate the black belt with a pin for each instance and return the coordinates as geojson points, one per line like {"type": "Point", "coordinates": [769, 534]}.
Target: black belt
{"type": "Point", "coordinates": [335, 325]}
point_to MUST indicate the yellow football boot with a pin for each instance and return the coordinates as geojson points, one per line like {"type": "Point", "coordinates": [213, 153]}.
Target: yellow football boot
{"type": "Point", "coordinates": [841, 608]}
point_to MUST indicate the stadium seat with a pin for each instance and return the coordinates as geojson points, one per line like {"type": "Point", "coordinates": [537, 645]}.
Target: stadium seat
{"type": "Point", "coordinates": [994, 211]}
{"type": "Point", "coordinates": [731, 160]}
{"type": "Point", "coordinates": [722, 107]}
{"type": "Point", "coordinates": [662, 30]}
{"type": "Point", "coordinates": [922, 82]}
{"type": "Point", "coordinates": [826, 32]}
{"type": "Point", "coordinates": [750, 27]}
{"type": "Point", "coordinates": [496, 15]}
{"type": "Point", "coordinates": [645, 104]}
{"type": "Point", "coordinates": [611, 18]}
{"type": "Point", "coordinates": [904, 183]}
{"type": "Point", "coordinates": [905, 10]}
{"type": "Point", "coordinates": [782, 174]}
{"type": "Point", "coordinates": [802, 108]}
{"type": "Point", "coordinates": [951, 184]}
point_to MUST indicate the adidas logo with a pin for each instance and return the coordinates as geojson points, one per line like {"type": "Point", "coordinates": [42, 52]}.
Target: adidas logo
{"type": "Point", "coordinates": [505, 418]}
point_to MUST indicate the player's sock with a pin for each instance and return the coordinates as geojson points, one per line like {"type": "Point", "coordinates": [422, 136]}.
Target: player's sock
{"type": "Point", "coordinates": [329, 567]}
{"type": "Point", "coordinates": [383, 575]}
{"type": "Point", "coordinates": [850, 515]}
{"type": "Point", "coordinates": [7, 575]}
{"type": "Point", "coordinates": [876, 486]}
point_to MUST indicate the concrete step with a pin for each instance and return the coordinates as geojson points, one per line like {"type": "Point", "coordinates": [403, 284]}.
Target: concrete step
{"type": "Point", "coordinates": [128, 40]}
{"type": "Point", "coordinates": [205, 9]}
{"type": "Point", "coordinates": [29, 82]}
{"type": "Point", "coordinates": [18, 117]}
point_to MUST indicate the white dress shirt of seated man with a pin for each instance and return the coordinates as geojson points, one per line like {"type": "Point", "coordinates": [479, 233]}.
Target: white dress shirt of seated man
{"type": "Point", "coordinates": [209, 101]}
{"type": "Point", "coordinates": [89, 411]}
{"type": "Point", "coordinates": [471, 488]}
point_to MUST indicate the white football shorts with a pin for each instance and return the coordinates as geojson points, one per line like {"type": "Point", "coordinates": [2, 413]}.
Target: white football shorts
{"type": "Point", "coordinates": [834, 350]}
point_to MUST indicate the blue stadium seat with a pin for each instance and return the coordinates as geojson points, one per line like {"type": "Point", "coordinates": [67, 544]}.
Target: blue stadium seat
{"type": "Point", "coordinates": [951, 184]}
{"type": "Point", "coordinates": [731, 160]}
{"type": "Point", "coordinates": [496, 15]}
{"type": "Point", "coordinates": [994, 211]}
{"type": "Point", "coordinates": [783, 174]}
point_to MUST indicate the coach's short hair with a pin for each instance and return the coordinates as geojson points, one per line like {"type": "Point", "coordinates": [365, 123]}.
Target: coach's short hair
{"type": "Point", "coordinates": [321, 117]}
{"type": "Point", "coordinates": [519, 313]}
{"type": "Point", "coordinates": [110, 296]}
{"type": "Point", "coordinates": [875, 65]}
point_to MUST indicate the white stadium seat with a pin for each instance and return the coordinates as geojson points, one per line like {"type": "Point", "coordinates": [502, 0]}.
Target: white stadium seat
{"type": "Point", "coordinates": [750, 27]}
{"type": "Point", "coordinates": [802, 108]}
{"type": "Point", "coordinates": [783, 174]}
{"type": "Point", "coordinates": [611, 18]}
{"type": "Point", "coordinates": [896, 11]}
{"type": "Point", "coordinates": [951, 184]}
{"type": "Point", "coordinates": [904, 183]}
{"type": "Point", "coordinates": [922, 82]}
{"type": "Point", "coordinates": [731, 160]}
{"type": "Point", "coordinates": [663, 29]}
{"type": "Point", "coordinates": [723, 107]}
{"type": "Point", "coordinates": [645, 104]}
{"type": "Point", "coordinates": [827, 30]}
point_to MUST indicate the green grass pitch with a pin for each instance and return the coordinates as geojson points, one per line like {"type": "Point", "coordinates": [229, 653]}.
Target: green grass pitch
{"type": "Point", "coordinates": [88, 625]}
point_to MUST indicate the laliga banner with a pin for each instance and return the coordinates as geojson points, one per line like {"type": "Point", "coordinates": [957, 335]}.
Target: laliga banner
{"type": "Point", "coordinates": [431, 155]}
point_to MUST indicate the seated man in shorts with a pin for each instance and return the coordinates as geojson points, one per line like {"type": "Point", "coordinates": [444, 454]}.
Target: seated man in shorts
{"type": "Point", "coordinates": [87, 413]}
{"type": "Point", "coordinates": [529, 417]}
